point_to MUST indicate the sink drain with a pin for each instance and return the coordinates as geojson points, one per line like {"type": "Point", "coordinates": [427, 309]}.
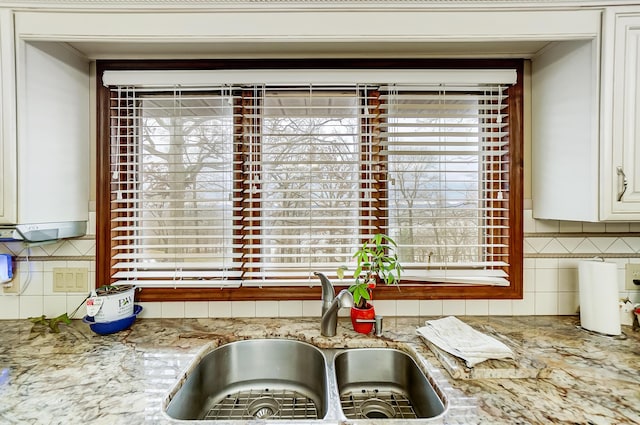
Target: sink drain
{"type": "Point", "coordinates": [263, 408]}
{"type": "Point", "coordinates": [374, 403]}
{"type": "Point", "coordinates": [375, 408]}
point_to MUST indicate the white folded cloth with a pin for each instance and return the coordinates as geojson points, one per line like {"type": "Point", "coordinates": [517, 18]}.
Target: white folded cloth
{"type": "Point", "coordinates": [456, 337]}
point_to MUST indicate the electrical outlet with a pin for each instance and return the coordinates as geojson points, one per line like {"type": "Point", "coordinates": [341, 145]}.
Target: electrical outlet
{"type": "Point", "coordinates": [70, 279]}
{"type": "Point", "coordinates": [632, 273]}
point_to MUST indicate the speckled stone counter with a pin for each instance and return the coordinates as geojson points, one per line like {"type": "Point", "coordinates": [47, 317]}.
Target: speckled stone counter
{"type": "Point", "coordinates": [78, 377]}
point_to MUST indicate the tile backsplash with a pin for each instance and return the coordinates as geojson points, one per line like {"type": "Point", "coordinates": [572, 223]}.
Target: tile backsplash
{"type": "Point", "coordinates": [552, 251]}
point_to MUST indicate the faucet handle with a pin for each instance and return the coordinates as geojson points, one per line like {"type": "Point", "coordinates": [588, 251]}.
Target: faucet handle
{"type": "Point", "coordinates": [377, 324]}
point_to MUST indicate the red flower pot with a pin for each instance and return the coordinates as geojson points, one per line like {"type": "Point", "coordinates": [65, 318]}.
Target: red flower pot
{"type": "Point", "coordinates": [367, 313]}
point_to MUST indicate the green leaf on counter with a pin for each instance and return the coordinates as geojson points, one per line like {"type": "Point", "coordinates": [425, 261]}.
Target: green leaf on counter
{"type": "Point", "coordinates": [53, 324]}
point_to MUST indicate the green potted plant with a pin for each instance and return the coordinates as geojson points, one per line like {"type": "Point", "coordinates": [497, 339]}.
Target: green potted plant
{"type": "Point", "coordinates": [376, 262]}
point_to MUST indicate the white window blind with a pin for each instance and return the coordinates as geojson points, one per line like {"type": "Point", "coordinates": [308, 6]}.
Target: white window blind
{"type": "Point", "coordinates": [263, 184]}
{"type": "Point", "coordinates": [447, 152]}
{"type": "Point", "coordinates": [305, 184]}
{"type": "Point", "coordinates": [173, 188]}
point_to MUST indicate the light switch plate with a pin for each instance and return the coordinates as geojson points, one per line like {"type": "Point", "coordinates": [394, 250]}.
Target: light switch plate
{"type": "Point", "coordinates": [632, 272]}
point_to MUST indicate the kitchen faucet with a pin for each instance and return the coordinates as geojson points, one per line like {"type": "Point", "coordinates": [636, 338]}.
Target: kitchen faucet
{"type": "Point", "coordinates": [331, 304]}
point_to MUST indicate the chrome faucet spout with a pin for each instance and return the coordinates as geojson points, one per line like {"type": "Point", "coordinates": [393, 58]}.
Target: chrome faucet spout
{"type": "Point", "coordinates": [328, 293]}
{"type": "Point", "coordinates": [331, 304]}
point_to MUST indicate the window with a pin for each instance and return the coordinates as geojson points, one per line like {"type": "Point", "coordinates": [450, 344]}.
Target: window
{"type": "Point", "coordinates": [172, 168]}
{"type": "Point", "coordinates": [447, 159]}
{"type": "Point", "coordinates": [304, 202]}
{"type": "Point", "coordinates": [252, 186]}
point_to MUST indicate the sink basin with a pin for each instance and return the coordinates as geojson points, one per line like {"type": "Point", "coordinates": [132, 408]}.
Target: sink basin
{"type": "Point", "coordinates": [384, 383]}
{"type": "Point", "coordinates": [254, 379]}
{"type": "Point", "coordinates": [279, 379]}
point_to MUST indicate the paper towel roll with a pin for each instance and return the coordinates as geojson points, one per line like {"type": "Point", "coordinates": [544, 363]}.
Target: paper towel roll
{"type": "Point", "coordinates": [598, 286]}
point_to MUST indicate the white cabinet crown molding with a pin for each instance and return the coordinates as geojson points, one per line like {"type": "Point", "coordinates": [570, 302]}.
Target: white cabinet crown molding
{"type": "Point", "coordinates": [293, 26]}
{"type": "Point", "coordinates": [334, 4]}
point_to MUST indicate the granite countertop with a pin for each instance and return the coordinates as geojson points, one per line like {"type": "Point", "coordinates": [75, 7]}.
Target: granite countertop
{"type": "Point", "coordinates": [562, 374]}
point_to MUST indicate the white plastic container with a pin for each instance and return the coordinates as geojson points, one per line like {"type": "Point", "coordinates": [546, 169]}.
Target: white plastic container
{"type": "Point", "coordinates": [6, 268]}
{"type": "Point", "coordinates": [117, 302]}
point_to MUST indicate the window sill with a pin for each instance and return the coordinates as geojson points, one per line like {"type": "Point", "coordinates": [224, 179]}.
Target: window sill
{"type": "Point", "coordinates": [405, 292]}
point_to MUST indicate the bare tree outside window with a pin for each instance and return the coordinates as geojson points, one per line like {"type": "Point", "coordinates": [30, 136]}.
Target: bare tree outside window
{"type": "Point", "coordinates": [186, 172]}
{"type": "Point", "coordinates": [436, 155]}
{"type": "Point", "coordinates": [310, 170]}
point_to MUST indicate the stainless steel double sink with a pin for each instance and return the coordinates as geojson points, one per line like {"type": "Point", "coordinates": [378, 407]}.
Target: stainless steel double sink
{"type": "Point", "coordinates": [281, 379]}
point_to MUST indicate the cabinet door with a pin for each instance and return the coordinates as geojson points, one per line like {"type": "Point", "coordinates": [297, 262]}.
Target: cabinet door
{"type": "Point", "coordinates": [8, 204]}
{"type": "Point", "coordinates": [565, 131]}
{"type": "Point", "coordinates": [621, 182]}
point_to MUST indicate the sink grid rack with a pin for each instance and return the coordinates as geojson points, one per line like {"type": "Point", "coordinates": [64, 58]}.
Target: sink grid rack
{"type": "Point", "coordinates": [262, 404]}
{"type": "Point", "coordinates": [376, 404]}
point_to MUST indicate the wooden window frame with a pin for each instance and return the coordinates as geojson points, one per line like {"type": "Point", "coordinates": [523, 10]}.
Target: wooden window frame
{"type": "Point", "coordinates": [424, 291]}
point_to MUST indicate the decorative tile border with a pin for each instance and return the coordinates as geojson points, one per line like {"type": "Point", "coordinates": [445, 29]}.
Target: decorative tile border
{"type": "Point", "coordinates": [75, 249]}
{"type": "Point", "coordinates": [535, 245]}
{"type": "Point", "coordinates": [580, 245]}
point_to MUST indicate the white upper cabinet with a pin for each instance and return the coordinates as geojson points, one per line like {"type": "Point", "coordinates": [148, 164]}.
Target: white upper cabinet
{"type": "Point", "coordinates": [8, 178]}
{"type": "Point", "coordinates": [586, 125]}
{"type": "Point", "coordinates": [44, 131]}
{"type": "Point", "coordinates": [565, 131]}
{"type": "Point", "coordinates": [53, 120]}
{"type": "Point", "coordinates": [620, 184]}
